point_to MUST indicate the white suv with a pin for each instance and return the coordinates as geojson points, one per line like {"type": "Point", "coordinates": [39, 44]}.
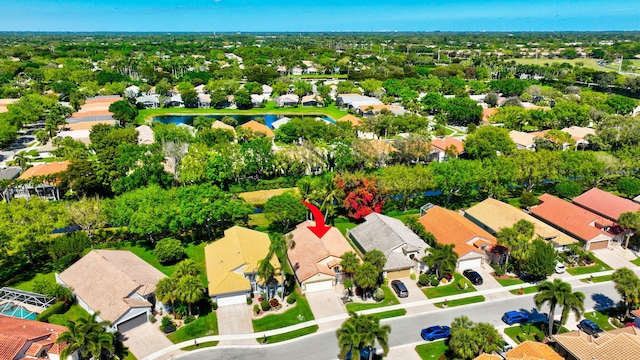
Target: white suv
{"type": "Point", "coordinates": [560, 267]}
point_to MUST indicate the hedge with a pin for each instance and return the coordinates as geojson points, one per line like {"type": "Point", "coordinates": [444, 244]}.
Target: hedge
{"type": "Point", "coordinates": [60, 307]}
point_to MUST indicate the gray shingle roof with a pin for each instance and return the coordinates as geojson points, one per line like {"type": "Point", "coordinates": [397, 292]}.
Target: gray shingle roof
{"type": "Point", "coordinates": [384, 233]}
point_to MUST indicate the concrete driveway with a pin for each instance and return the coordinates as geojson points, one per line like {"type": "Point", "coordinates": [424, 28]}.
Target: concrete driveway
{"type": "Point", "coordinates": [415, 294]}
{"type": "Point", "coordinates": [614, 256]}
{"type": "Point", "coordinates": [145, 339]}
{"type": "Point", "coordinates": [327, 303]}
{"type": "Point", "coordinates": [234, 319]}
{"type": "Point", "coordinates": [489, 282]}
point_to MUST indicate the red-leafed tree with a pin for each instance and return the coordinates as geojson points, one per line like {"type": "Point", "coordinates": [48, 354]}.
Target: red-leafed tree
{"type": "Point", "coordinates": [362, 194]}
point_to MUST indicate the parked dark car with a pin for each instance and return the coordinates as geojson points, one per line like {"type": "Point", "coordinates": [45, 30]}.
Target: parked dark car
{"type": "Point", "coordinates": [435, 332]}
{"type": "Point", "coordinates": [589, 327]}
{"type": "Point", "coordinates": [512, 317]}
{"type": "Point", "coordinates": [400, 289]}
{"type": "Point", "coordinates": [473, 276]}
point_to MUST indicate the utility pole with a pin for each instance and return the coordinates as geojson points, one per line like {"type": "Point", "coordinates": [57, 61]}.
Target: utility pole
{"type": "Point", "coordinates": [620, 65]}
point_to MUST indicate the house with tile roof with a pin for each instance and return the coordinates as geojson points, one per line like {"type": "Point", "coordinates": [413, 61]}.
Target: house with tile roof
{"type": "Point", "coordinates": [441, 148]}
{"type": "Point", "coordinates": [30, 339]}
{"type": "Point", "coordinates": [44, 179]}
{"type": "Point", "coordinates": [287, 100]}
{"type": "Point", "coordinates": [579, 134]}
{"type": "Point", "coordinates": [618, 344]}
{"type": "Point", "coordinates": [493, 215]}
{"type": "Point", "coordinates": [232, 265]}
{"type": "Point", "coordinates": [117, 283]}
{"type": "Point", "coordinates": [580, 223]}
{"type": "Point", "coordinates": [532, 350]}
{"type": "Point", "coordinates": [605, 204]}
{"type": "Point", "coordinates": [523, 140]}
{"type": "Point", "coordinates": [354, 120]}
{"type": "Point", "coordinates": [399, 244]}
{"type": "Point", "coordinates": [316, 261]}
{"type": "Point", "coordinates": [257, 127]}
{"type": "Point", "coordinates": [96, 109]}
{"type": "Point", "coordinates": [375, 109]}
{"type": "Point", "coordinates": [470, 241]}
{"type": "Point", "coordinates": [146, 136]}
{"type": "Point", "coordinates": [355, 101]}
{"type": "Point", "coordinates": [486, 356]}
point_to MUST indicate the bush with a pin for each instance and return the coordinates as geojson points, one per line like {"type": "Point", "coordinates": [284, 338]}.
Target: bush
{"type": "Point", "coordinates": [423, 279]}
{"type": "Point", "coordinates": [152, 319]}
{"type": "Point", "coordinates": [527, 199]}
{"type": "Point", "coordinates": [58, 308]}
{"type": "Point", "coordinates": [249, 300]}
{"type": "Point", "coordinates": [568, 189]}
{"type": "Point", "coordinates": [214, 306]}
{"type": "Point", "coordinates": [378, 295]}
{"type": "Point", "coordinates": [434, 281]}
{"type": "Point", "coordinates": [274, 303]}
{"type": "Point", "coordinates": [189, 319]}
{"type": "Point", "coordinates": [497, 270]}
{"type": "Point", "coordinates": [67, 244]}
{"type": "Point", "coordinates": [169, 251]}
{"type": "Point", "coordinates": [462, 284]}
{"type": "Point", "coordinates": [65, 261]}
{"type": "Point", "coordinates": [167, 325]}
{"type": "Point", "coordinates": [265, 305]}
{"type": "Point", "coordinates": [291, 299]}
{"type": "Point", "coordinates": [412, 276]}
{"type": "Point", "coordinates": [256, 309]}
{"type": "Point", "coordinates": [526, 97]}
{"type": "Point", "coordinates": [539, 336]}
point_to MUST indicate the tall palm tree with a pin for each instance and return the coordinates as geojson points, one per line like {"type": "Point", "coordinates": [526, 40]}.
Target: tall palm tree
{"type": "Point", "coordinates": [189, 290]}
{"type": "Point", "coordinates": [266, 272]}
{"type": "Point", "coordinates": [628, 286]}
{"type": "Point", "coordinates": [280, 245]}
{"type": "Point", "coordinates": [443, 258]}
{"type": "Point", "coordinates": [185, 268]}
{"type": "Point", "coordinates": [366, 276]}
{"type": "Point", "coordinates": [331, 195]}
{"type": "Point", "coordinates": [349, 336]}
{"type": "Point", "coordinates": [630, 221]}
{"type": "Point", "coordinates": [572, 302]}
{"type": "Point", "coordinates": [166, 290]}
{"type": "Point", "coordinates": [74, 337]}
{"type": "Point", "coordinates": [557, 293]}
{"type": "Point", "coordinates": [360, 331]}
{"type": "Point", "coordinates": [21, 160]}
{"type": "Point", "coordinates": [88, 336]}
{"type": "Point", "coordinates": [349, 263]}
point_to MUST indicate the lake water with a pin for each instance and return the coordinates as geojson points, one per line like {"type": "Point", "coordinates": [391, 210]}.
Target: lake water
{"type": "Point", "coordinates": [241, 119]}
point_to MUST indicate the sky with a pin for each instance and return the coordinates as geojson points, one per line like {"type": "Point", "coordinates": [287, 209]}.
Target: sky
{"type": "Point", "coordinates": [322, 15]}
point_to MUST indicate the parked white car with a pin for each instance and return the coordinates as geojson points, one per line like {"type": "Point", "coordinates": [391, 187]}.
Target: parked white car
{"type": "Point", "coordinates": [560, 269]}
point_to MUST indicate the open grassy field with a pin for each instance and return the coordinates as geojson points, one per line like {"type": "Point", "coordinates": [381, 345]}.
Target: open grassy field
{"type": "Point", "coordinates": [261, 197]}
{"type": "Point", "coordinates": [587, 63]}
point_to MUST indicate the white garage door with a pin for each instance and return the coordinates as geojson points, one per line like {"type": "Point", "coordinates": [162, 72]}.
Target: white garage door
{"type": "Point", "coordinates": [231, 300]}
{"type": "Point", "coordinates": [319, 286]}
{"type": "Point", "coordinates": [469, 264]}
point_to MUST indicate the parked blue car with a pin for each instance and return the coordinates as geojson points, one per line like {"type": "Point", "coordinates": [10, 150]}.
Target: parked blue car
{"type": "Point", "coordinates": [512, 317]}
{"type": "Point", "coordinates": [589, 327]}
{"type": "Point", "coordinates": [436, 332]}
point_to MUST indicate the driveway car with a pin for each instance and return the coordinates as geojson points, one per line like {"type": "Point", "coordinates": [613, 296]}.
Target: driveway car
{"type": "Point", "coordinates": [560, 268]}
{"type": "Point", "coordinates": [589, 327]}
{"type": "Point", "coordinates": [400, 289]}
{"type": "Point", "coordinates": [473, 276]}
{"type": "Point", "coordinates": [435, 332]}
{"type": "Point", "coordinates": [512, 317]}
{"type": "Point", "coordinates": [503, 351]}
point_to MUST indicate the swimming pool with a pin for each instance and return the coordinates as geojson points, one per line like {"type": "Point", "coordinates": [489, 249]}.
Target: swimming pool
{"type": "Point", "coordinates": [16, 311]}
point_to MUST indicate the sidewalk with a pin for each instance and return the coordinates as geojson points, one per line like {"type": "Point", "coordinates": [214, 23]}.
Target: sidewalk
{"type": "Point", "coordinates": [333, 322]}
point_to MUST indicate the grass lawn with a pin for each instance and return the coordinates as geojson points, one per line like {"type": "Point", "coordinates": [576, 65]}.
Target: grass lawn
{"type": "Point", "coordinates": [449, 289]}
{"type": "Point", "coordinates": [261, 197]}
{"type": "Point", "coordinates": [389, 299]}
{"type": "Point", "coordinates": [432, 350]}
{"type": "Point", "coordinates": [527, 290]}
{"type": "Point", "coordinates": [597, 279]}
{"type": "Point", "coordinates": [319, 76]}
{"type": "Point", "coordinates": [204, 326]}
{"type": "Point", "coordinates": [601, 318]}
{"type": "Point", "coordinates": [290, 335]}
{"type": "Point", "coordinates": [258, 220]}
{"type": "Point", "coordinates": [515, 202]}
{"type": "Point", "coordinates": [390, 314]}
{"type": "Point", "coordinates": [509, 282]}
{"type": "Point", "coordinates": [200, 346]}
{"type": "Point", "coordinates": [300, 313]}
{"type": "Point", "coordinates": [343, 225]}
{"type": "Point", "coordinates": [597, 267]}
{"type": "Point", "coordinates": [74, 313]}
{"type": "Point", "coordinates": [587, 63]}
{"type": "Point", "coordinates": [28, 285]}
{"type": "Point", "coordinates": [463, 301]}
{"type": "Point", "coordinates": [331, 111]}
{"type": "Point", "coordinates": [636, 261]}
{"type": "Point", "coordinates": [526, 331]}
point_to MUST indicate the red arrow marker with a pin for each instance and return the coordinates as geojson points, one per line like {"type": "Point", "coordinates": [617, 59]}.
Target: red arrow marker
{"type": "Point", "coordinates": [320, 228]}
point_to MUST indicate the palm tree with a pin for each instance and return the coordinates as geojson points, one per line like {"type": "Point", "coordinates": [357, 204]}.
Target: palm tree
{"type": "Point", "coordinates": [349, 263]}
{"type": "Point", "coordinates": [266, 272]}
{"type": "Point", "coordinates": [305, 188]}
{"type": "Point", "coordinates": [166, 290]}
{"type": "Point", "coordinates": [572, 302]}
{"type": "Point", "coordinates": [20, 159]}
{"type": "Point", "coordinates": [331, 195]}
{"type": "Point", "coordinates": [516, 238]}
{"type": "Point", "coordinates": [489, 339]}
{"type": "Point", "coordinates": [280, 245]}
{"type": "Point", "coordinates": [630, 221]}
{"type": "Point", "coordinates": [185, 268]}
{"type": "Point", "coordinates": [377, 258]}
{"type": "Point", "coordinates": [443, 258]}
{"type": "Point", "coordinates": [366, 276]}
{"type": "Point", "coordinates": [189, 290]}
{"type": "Point", "coordinates": [74, 337]}
{"type": "Point", "coordinates": [348, 335]}
{"type": "Point", "coordinates": [558, 293]}
{"type": "Point", "coordinates": [360, 331]}
{"type": "Point", "coordinates": [628, 286]}
{"type": "Point", "coordinates": [87, 335]}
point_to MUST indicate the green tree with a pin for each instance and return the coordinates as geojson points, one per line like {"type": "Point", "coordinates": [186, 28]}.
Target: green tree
{"type": "Point", "coordinates": [568, 189]}
{"type": "Point", "coordinates": [533, 167]}
{"type": "Point", "coordinates": [87, 213]}
{"type": "Point", "coordinates": [629, 186]}
{"type": "Point", "coordinates": [406, 182]}
{"type": "Point", "coordinates": [266, 272]}
{"type": "Point", "coordinates": [455, 177]}
{"type": "Point", "coordinates": [463, 111]}
{"type": "Point", "coordinates": [168, 250]}
{"type": "Point", "coordinates": [186, 267]}
{"type": "Point", "coordinates": [285, 210]}
{"type": "Point", "coordinates": [516, 239]}
{"type": "Point", "coordinates": [489, 141]}
{"type": "Point", "coordinates": [366, 276]}
{"type": "Point", "coordinates": [377, 258]}
{"type": "Point", "coordinates": [189, 290]}
{"type": "Point", "coordinates": [628, 286]}
{"type": "Point", "coordinates": [468, 340]}
{"type": "Point", "coordinates": [554, 293]}
{"type": "Point", "coordinates": [621, 104]}
{"type": "Point", "coordinates": [87, 336]}
{"type": "Point", "coordinates": [166, 291]}
{"type": "Point", "coordinates": [360, 331]}
{"type": "Point", "coordinates": [280, 246]}
{"type": "Point", "coordinates": [443, 258]}
{"type": "Point", "coordinates": [540, 260]}
{"type": "Point", "coordinates": [242, 98]}
{"type": "Point", "coordinates": [349, 263]}
{"type": "Point", "coordinates": [123, 111]}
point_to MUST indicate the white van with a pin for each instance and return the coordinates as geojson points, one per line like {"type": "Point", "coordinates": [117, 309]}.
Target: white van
{"type": "Point", "coordinates": [560, 267]}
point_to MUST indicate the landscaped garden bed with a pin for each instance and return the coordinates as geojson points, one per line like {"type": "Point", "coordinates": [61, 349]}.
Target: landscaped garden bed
{"type": "Point", "coordinates": [459, 285]}
{"type": "Point", "coordinates": [296, 315]}
{"type": "Point", "coordinates": [389, 299]}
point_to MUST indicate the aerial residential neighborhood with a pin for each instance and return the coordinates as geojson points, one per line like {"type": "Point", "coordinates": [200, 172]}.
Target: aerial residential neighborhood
{"type": "Point", "coordinates": [220, 180]}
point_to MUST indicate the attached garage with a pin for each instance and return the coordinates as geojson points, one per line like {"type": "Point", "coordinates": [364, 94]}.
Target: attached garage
{"type": "Point", "coordinates": [469, 263]}
{"type": "Point", "coordinates": [318, 286]}
{"type": "Point", "coordinates": [133, 322]}
{"type": "Point", "coordinates": [234, 299]}
{"type": "Point", "coordinates": [595, 245]}
{"type": "Point", "coordinates": [398, 274]}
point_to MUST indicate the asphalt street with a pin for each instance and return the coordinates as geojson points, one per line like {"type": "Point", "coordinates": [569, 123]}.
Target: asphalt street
{"type": "Point", "coordinates": [404, 330]}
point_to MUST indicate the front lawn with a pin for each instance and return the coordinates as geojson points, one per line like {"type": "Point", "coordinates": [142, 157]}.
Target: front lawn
{"type": "Point", "coordinates": [527, 290]}
{"type": "Point", "coordinates": [459, 302]}
{"type": "Point", "coordinates": [532, 331]}
{"type": "Point", "coordinates": [636, 261]}
{"type": "Point", "coordinates": [389, 299]}
{"type": "Point", "coordinates": [601, 318]}
{"type": "Point", "coordinates": [200, 346]}
{"type": "Point", "coordinates": [74, 313]}
{"type": "Point", "coordinates": [432, 350]}
{"type": "Point", "coordinates": [289, 335]}
{"type": "Point", "coordinates": [597, 279]}
{"type": "Point", "coordinates": [510, 281]}
{"type": "Point", "coordinates": [259, 198]}
{"type": "Point", "coordinates": [596, 267]}
{"type": "Point", "coordinates": [205, 325]}
{"type": "Point", "coordinates": [449, 289]}
{"type": "Point", "coordinates": [390, 314]}
{"type": "Point", "coordinates": [299, 314]}
{"type": "Point", "coordinates": [28, 284]}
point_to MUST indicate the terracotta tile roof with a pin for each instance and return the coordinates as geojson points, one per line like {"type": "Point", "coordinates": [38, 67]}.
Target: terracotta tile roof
{"type": "Point", "coordinates": [579, 133]}
{"type": "Point", "coordinates": [96, 106]}
{"type": "Point", "coordinates": [449, 227]}
{"type": "Point", "coordinates": [103, 279]}
{"type": "Point", "coordinates": [44, 169]}
{"type": "Point", "coordinates": [257, 127]}
{"type": "Point", "coordinates": [618, 344]}
{"type": "Point", "coordinates": [605, 204]}
{"type": "Point", "coordinates": [16, 333]}
{"type": "Point", "coordinates": [309, 251]}
{"type": "Point", "coordinates": [236, 254]}
{"type": "Point", "coordinates": [635, 313]}
{"type": "Point", "coordinates": [354, 120]}
{"type": "Point", "coordinates": [496, 215]}
{"type": "Point", "coordinates": [522, 138]}
{"type": "Point", "coordinates": [87, 125]}
{"type": "Point", "coordinates": [531, 350]}
{"type": "Point", "coordinates": [488, 112]}
{"type": "Point", "coordinates": [488, 357]}
{"type": "Point", "coordinates": [441, 144]}
{"type": "Point", "coordinates": [378, 107]}
{"type": "Point", "coordinates": [574, 219]}
{"type": "Point", "coordinates": [220, 125]}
